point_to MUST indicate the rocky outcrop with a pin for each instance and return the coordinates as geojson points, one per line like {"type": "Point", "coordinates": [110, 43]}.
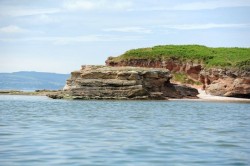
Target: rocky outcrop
{"type": "Point", "coordinates": [229, 83]}
{"type": "Point", "coordinates": [103, 82]}
{"type": "Point", "coordinates": [216, 81]}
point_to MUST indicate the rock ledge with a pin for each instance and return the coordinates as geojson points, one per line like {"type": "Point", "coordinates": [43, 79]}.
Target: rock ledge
{"type": "Point", "coordinates": [122, 83]}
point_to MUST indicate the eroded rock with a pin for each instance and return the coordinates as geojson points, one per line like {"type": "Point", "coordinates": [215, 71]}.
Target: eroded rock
{"type": "Point", "coordinates": [105, 82]}
{"type": "Point", "coordinates": [230, 87]}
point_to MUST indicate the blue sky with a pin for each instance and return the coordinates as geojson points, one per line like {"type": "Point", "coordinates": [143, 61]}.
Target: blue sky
{"type": "Point", "coordinates": [61, 35]}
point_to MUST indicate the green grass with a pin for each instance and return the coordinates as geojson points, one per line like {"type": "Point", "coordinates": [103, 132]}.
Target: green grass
{"type": "Point", "coordinates": [184, 79]}
{"type": "Point", "coordinates": [210, 57]}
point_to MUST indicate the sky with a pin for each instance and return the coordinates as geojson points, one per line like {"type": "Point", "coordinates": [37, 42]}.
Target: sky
{"type": "Point", "coordinates": [61, 35]}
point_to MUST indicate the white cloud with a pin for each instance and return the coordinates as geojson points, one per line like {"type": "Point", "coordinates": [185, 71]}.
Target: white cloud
{"type": "Point", "coordinates": [45, 18]}
{"type": "Point", "coordinates": [199, 5]}
{"type": "Point", "coordinates": [212, 5]}
{"type": "Point", "coordinates": [80, 5]}
{"type": "Point", "coordinates": [12, 29]}
{"type": "Point", "coordinates": [205, 26]}
{"type": "Point", "coordinates": [76, 39]}
{"type": "Point", "coordinates": [25, 11]}
{"type": "Point", "coordinates": [128, 30]}
{"type": "Point", "coordinates": [97, 4]}
{"type": "Point", "coordinates": [41, 19]}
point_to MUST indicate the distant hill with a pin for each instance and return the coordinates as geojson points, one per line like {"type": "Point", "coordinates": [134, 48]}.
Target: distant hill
{"type": "Point", "coordinates": [29, 80]}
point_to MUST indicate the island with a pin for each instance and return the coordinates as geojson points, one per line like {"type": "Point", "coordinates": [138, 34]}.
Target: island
{"type": "Point", "coordinates": [220, 71]}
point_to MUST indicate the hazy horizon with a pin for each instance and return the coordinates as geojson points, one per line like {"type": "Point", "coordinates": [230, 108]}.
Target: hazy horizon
{"type": "Point", "coordinates": [31, 72]}
{"type": "Point", "coordinates": [61, 35]}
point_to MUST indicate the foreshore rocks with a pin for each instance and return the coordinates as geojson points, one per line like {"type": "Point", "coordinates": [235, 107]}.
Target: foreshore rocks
{"type": "Point", "coordinates": [122, 83]}
{"type": "Point", "coordinates": [216, 81]}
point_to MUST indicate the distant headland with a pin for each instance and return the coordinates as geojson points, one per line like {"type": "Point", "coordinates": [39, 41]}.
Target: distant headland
{"type": "Point", "coordinates": [31, 81]}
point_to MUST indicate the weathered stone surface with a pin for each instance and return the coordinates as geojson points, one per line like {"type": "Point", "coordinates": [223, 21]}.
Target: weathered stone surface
{"type": "Point", "coordinates": [230, 87]}
{"type": "Point", "coordinates": [103, 82]}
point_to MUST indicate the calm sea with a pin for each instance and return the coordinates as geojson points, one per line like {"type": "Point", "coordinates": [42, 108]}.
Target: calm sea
{"type": "Point", "coordinates": [40, 131]}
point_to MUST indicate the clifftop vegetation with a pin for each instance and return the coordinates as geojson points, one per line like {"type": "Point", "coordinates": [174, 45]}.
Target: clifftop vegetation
{"type": "Point", "coordinates": [210, 57]}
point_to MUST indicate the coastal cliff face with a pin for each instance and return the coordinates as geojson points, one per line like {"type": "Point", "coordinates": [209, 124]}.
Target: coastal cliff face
{"type": "Point", "coordinates": [228, 83]}
{"type": "Point", "coordinates": [216, 81]}
{"type": "Point", "coordinates": [103, 82]}
{"type": "Point", "coordinates": [192, 69]}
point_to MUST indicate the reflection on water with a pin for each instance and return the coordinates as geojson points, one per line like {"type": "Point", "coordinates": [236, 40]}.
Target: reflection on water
{"type": "Point", "coordinates": [42, 131]}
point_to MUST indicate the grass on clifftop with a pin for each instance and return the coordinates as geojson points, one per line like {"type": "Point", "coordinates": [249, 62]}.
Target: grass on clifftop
{"type": "Point", "coordinates": [184, 79]}
{"type": "Point", "coordinates": [210, 57]}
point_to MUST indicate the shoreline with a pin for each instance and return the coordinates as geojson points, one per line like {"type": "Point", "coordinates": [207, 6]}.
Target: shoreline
{"type": "Point", "coordinates": [28, 93]}
{"type": "Point", "coordinates": [202, 96]}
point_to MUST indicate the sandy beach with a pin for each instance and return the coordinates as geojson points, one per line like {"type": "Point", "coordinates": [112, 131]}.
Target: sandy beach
{"type": "Point", "coordinates": [203, 96]}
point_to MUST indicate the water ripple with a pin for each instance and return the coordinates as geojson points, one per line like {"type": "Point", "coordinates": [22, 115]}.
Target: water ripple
{"type": "Point", "coordinates": [41, 131]}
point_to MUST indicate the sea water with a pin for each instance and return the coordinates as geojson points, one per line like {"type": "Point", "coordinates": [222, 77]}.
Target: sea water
{"type": "Point", "coordinates": [42, 131]}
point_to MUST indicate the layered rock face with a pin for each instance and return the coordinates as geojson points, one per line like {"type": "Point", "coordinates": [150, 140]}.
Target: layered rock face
{"type": "Point", "coordinates": [103, 82]}
{"type": "Point", "coordinates": [189, 67]}
{"type": "Point", "coordinates": [219, 82]}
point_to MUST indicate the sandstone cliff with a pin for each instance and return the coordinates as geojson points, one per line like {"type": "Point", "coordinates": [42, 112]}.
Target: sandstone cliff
{"type": "Point", "coordinates": [216, 81]}
{"type": "Point", "coordinates": [103, 82]}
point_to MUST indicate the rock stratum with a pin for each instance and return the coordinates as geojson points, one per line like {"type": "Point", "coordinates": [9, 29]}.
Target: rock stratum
{"type": "Point", "coordinates": [123, 83]}
{"type": "Point", "coordinates": [216, 81]}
